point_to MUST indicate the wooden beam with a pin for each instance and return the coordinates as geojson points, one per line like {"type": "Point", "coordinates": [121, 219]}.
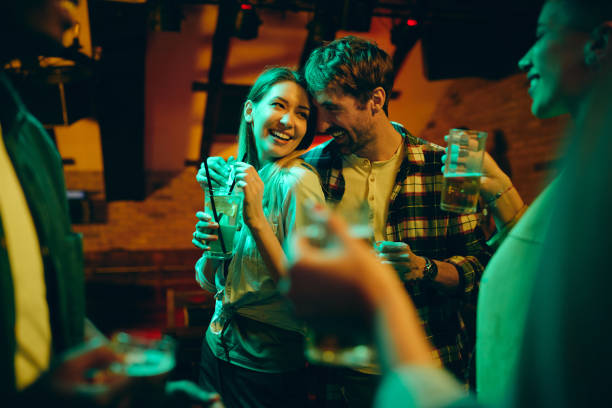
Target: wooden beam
{"type": "Point", "coordinates": [220, 51]}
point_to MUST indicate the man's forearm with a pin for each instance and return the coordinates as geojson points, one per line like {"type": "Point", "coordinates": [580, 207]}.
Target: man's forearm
{"type": "Point", "coordinates": [447, 276]}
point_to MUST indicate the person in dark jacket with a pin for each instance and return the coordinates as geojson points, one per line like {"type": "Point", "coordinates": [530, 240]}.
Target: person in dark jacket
{"type": "Point", "coordinates": [43, 356]}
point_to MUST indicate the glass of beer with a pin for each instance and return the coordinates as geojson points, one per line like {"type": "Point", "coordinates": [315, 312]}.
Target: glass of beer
{"type": "Point", "coordinates": [227, 205]}
{"type": "Point", "coordinates": [339, 344]}
{"type": "Point", "coordinates": [148, 362]}
{"type": "Point", "coordinates": [462, 170]}
{"type": "Point", "coordinates": [143, 357]}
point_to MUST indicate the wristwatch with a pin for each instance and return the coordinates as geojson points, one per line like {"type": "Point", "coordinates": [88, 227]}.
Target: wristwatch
{"type": "Point", "coordinates": [430, 271]}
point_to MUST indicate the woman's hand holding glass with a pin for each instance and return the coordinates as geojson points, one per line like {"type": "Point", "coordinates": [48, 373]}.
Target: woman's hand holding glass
{"type": "Point", "coordinates": [219, 170]}
{"type": "Point", "coordinates": [249, 181]}
{"type": "Point", "coordinates": [204, 231]}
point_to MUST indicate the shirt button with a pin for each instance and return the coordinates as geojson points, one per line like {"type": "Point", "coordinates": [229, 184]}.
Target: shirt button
{"type": "Point", "coordinates": [371, 198]}
{"type": "Point", "coordinates": [372, 178]}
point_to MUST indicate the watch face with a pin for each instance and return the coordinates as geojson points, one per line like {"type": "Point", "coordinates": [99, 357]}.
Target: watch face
{"type": "Point", "coordinates": [431, 269]}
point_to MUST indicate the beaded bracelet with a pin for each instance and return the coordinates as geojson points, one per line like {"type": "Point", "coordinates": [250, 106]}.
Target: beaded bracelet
{"type": "Point", "coordinates": [497, 196]}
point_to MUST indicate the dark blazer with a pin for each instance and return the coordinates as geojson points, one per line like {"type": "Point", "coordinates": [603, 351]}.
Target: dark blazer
{"type": "Point", "coordinates": [39, 169]}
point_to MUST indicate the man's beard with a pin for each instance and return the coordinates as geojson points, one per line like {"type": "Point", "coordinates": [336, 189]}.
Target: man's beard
{"type": "Point", "coordinates": [361, 140]}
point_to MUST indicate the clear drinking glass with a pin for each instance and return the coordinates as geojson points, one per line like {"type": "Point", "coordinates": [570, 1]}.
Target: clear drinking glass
{"type": "Point", "coordinates": [227, 206]}
{"type": "Point", "coordinates": [143, 357]}
{"type": "Point", "coordinates": [462, 170]}
{"type": "Point", "coordinates": [340, 344]}
{"type": "Point", "coordinates": [148, 363]}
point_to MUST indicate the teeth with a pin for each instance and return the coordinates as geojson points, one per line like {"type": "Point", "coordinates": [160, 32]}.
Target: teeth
{"type": "Point", "coordinates": [281, 136]}
{"type": "Point", "coordinates": [337, 133]}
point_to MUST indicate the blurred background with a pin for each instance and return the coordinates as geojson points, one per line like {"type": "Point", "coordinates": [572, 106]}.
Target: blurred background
{"type": "Point", "coordinates": [147, 89]}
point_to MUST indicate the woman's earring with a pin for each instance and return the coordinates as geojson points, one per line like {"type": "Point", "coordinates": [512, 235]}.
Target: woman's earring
{"type": "Point", "coordinates": [591, 60]}
{"type": "Point", "coordinates": [597, 47]}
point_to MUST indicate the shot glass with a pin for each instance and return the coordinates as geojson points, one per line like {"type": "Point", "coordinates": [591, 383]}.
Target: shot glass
{"type": "Point", "coordinates": [143, 357]}
{"type": "Point", "coordinates": [462, 170]}
{"type": "Point", "coordinates": [340, 344]}
{"type": "Point", "coordinates": [148, 363]}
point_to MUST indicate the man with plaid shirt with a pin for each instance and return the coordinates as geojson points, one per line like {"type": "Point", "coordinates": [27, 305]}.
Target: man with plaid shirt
{"type": "Point", "coordinates": [440, 255]}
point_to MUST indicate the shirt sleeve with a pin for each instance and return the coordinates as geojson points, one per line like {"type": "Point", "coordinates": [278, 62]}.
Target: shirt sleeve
{"type": "Point", "coordinates": [206, 285]}
{"type": "Point", "coordinates": [422, 387]}
{"type": "Point", "coordinates": [305, 190]}
{"type": "Point", "coordinates": [467, 241]}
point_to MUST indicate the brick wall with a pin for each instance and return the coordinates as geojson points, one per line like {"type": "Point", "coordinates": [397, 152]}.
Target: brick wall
{"type": "Point", "coordinates": [165, 220]}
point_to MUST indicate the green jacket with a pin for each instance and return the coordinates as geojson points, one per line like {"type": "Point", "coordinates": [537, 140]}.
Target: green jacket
{"type": "Point", "coordinates": [39, 169]}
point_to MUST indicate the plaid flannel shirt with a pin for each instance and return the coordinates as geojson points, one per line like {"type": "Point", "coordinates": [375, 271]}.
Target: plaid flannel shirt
{"type": "Point", "coordinates": [415, 217]}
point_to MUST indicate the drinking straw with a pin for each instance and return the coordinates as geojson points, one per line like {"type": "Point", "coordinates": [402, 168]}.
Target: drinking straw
{"type": "Point", "coordinates": [234, 180]}
{"type": "Point", "coordinates": [212, 203]}
{"type": "Point", "coordinates": [233, 184]}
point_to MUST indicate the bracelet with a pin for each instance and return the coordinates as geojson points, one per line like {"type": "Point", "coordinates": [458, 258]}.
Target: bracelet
{"type": "Point", "coordinates": [495, 241]}
{"type": "Point", "coordinates": [517, 216]}
{"type": "Point", "coordinates": [498, 195]}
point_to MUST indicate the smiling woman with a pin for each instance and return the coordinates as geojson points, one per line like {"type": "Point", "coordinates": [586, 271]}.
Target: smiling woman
{"type": "Point", "coordinates": [278, 121]}
{"type": "Point", "coordinates": [278, 101]}
{"type": "Point", "coordinates": [559, 65]}
{"type": "Point", "coordinates": [253, 352]}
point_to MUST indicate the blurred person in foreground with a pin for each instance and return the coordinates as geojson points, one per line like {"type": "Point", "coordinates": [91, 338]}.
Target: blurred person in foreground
{"type": "Point", "coordinates": [570, 58]}
{"type": "Point", "coordinates": [545, 298]}
{"type": "Point", "coordinates": [43, 357]}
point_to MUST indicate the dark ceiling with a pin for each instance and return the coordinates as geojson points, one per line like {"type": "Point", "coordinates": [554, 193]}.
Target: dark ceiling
{"type": "Point", "coordinates": [460, 38]}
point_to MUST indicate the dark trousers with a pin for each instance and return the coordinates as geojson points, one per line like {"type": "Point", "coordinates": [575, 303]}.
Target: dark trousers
{"type": "Point", "coordinates": [243, 388]}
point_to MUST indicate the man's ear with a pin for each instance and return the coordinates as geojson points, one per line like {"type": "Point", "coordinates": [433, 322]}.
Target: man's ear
{"type": "Point", "coordinates": [248, 111]}
{"type": "Point", "coordinates": [378, 99]}
{"type": "Point", "coordinates": [599, 46]}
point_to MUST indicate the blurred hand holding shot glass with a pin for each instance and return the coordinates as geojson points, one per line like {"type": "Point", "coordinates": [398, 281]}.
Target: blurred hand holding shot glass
{"type": "Point", "coordinates": [339, 343]}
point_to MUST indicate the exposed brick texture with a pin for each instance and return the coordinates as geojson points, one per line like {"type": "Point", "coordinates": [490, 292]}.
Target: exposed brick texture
{"type": "Point", "coordinates": [533, 144]}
